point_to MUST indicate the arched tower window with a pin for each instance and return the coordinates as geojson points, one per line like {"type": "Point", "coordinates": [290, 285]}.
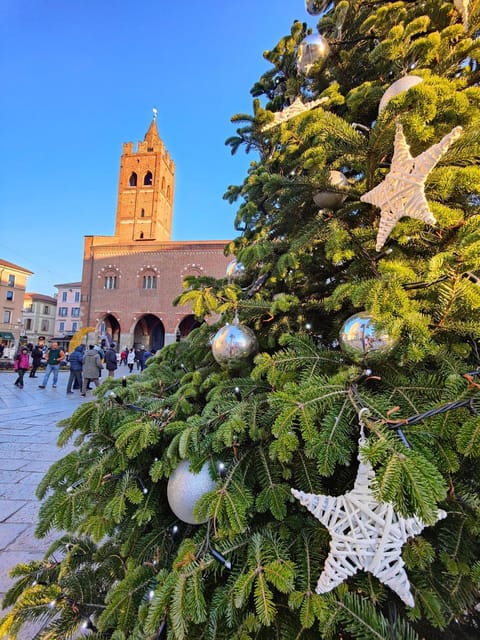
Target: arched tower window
{"type": "Point", "coordinates": [141, 235]}
{"type": "Point", "coordinates": [132, 182]}
{"type": "Point", "coordinates": [142, 213]}
{"type": "Point", "coordinates": [168, 192]}
{"type": "Point", "coordinates": [148, 178]}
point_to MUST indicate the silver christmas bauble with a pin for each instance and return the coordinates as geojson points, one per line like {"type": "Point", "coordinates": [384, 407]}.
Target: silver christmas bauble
{"type": "Point", "coordinates": [315, 7]}
{"type": "Point", "coordinates": [233, 344]}
{"type": "Point", "coordinates": [184, 490]}
{"type": "Point", "coordinates": [235, 270]}
{"type": "Point", "coordinates": [403, 84]}
{"type": "Point", "coordinates": [329, 199]}
{"type": "Point", "coordinates": [361, 341]}
{"type": "Point", "coordinates": [312, 50]}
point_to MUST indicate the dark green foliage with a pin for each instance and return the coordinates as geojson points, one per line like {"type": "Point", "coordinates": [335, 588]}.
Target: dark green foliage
{"type": "Point", "coordinates": [290, 418]}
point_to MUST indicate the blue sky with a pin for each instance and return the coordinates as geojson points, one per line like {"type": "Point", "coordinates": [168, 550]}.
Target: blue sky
{"type": "Point", "coordinates": [80, 77]}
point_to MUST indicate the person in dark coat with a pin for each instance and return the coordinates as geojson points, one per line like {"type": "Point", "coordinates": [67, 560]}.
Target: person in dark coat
{"type": "Point", "coordinates": [111, 359]}
{"type": "Point", "coordinates": [76, 366]}
{"type": "Point", "coordinates": [37, 355]}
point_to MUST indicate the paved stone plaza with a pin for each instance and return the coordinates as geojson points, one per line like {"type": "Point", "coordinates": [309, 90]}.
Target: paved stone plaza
{"type": "Point", "coordinates": [28, 435]}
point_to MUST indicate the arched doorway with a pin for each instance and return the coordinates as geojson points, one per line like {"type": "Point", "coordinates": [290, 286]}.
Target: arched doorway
{"type": "Point", "coordinates": [110, 329]}
{"type": "Point", "coordinates": [186, 325]}
{"type": "Point", "coordinates": [150, 332]}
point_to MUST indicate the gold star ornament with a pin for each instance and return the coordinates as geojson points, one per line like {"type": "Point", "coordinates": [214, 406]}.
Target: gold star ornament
{"type": "Point", "coordinates": [366, 535]}
{"type": "Point", "coordinates": [402, 193]}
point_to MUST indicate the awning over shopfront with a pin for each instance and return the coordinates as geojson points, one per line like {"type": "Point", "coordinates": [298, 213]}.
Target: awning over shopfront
{"type": "Point", "coordinates": [6, 335]}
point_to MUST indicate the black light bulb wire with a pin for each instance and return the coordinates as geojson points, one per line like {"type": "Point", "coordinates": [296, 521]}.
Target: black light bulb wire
{"type": "Point", "coordinates": [162, 629]}
{"type": "Point", "coordinates": [469, 403]}
{"type": "Point", "coordinates": [207, 547]}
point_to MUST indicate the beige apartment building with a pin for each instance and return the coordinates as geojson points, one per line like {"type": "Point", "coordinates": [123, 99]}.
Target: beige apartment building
{"type": "Point", "coordinates": [38, 317]}
{"type": "Point", "coordinates": [13, 282]}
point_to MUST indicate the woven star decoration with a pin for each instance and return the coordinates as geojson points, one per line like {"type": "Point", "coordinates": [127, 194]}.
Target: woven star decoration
{"type": "Point", "coordinates": [462, 6]}
{"type": "Point", "coordinates": [402, 193]}
{"type": "Point", "coordinates": [365, 535]}
{"type": "Point", "coordinates": [292, 111]}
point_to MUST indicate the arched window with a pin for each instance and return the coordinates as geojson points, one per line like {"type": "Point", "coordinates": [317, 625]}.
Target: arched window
{"type": "Point", "coordinates": [141, 235]}
{"type": "Point", "coordinates": [168, 192]}
{"type": "Point", "coordinates": [142, 213]}
{"type": "Point", "coordinates": [149, 282]}
{"type": "Point", "coordinates": [133, 180]}
{"type": "Point", "coordinates": [110, 282]}
{"type": "Point", "coordinates": [148, 178]}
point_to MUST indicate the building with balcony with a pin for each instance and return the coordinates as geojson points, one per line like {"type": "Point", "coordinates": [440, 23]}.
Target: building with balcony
{"type": "Point", "coordinates": [39, 317]}
{"type": "Point", "coordinates": [13, 282]}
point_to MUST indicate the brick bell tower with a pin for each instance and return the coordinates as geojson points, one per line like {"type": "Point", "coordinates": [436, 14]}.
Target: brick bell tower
{"type": "Point", "coordinates": [145, 190]}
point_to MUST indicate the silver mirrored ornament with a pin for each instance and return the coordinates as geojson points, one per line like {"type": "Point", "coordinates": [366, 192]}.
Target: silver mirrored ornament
{"type": "Point", "coordinates": [312, 50]}
{"type": "Point", "coordinates": [233, 345]}
{"type": "Point", "coordinates": [185, 488]}
{"type": "Point", "coordinates": [403, 84]}
{"type": "Point", "coordinates": [361, 341]}
{"type": "Point", "coordinates": [329, 199]}
{"type": "Point", "coordinates": [235, 270]}
{"type": "Point", "coordinates": [315, 7]}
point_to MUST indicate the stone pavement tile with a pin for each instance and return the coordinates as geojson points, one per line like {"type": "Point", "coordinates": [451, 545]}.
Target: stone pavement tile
{"type": "Point", "coordinates": [9, 507]}
{"type": "Point", "coordinates": [11, 465]}
{"type": "Point", "coordinates": [27, 541]}
{"type": "Point", "coordinates": [10, 491]}
{"type": "Point", "coordinates": [49, 449]}
{"type": "Point", "coordinates": [14, 454]}
{"type": "Point", "coordinates": [26, 511]}
{"type": "Point", "coordinates": [8, 560]}
{"type": "Point", "coordinates": [9, 533]}
{"type": "Point", "coordinates": [31, 477]}
{"type": "Point", "coordinates": [13, 476]}
{"type": "Point", "coordinates": [37, 466]}
{"type": "Point", "coordinates": [27, 438]}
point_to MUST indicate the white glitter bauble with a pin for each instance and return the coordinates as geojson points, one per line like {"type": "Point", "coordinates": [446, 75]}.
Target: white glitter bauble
{"type": "Point", "coordinates": [233, 344]}
{"type": "Point", "coordinates": [184, 490]}
{"type": "Point", "coordinates": [361, 341]}
{"type": "Point", "coordinates": [403, 84]}
{"type": "Point", "coordinates": [312, 50]}
{"type": "Point", "coordinates": [328, 199]}
{"type": "Point", "coordinates": [235, 270]}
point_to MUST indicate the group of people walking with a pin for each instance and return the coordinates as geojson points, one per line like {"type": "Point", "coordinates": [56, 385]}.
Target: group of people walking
{"type": "Point", "coordinates": [86, 364]}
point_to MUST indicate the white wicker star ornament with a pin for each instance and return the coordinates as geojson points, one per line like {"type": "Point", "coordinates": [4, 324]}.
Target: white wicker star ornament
{"type": "Point", "coordinates": [365, 535]}
{"type": "Point", "coordinates": [463, 8]}
{"type": "Point", "coordinates": [402, 193]}
{"type": "Point", "coordinates": [296, 108]}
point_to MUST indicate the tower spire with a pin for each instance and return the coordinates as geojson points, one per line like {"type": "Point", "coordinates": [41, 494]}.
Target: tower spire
{"type": "Point", "coordinates": [152, 136]}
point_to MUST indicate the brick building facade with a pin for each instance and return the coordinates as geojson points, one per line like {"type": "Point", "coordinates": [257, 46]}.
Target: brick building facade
{"type": "Point", "coordinates": [129, 280]}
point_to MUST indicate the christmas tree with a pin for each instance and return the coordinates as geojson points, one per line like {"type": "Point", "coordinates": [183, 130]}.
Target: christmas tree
{"type": "Point", "coordinates": [306, 464]}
